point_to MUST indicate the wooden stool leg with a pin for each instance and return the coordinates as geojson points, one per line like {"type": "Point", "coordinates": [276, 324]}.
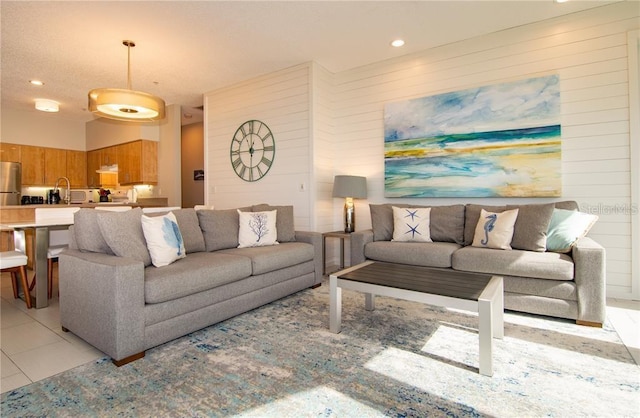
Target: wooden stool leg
{"type": "Point", "coordinates": [25, 286]}
{"type": "Point", "coordinates": [14, 283]}
{"type": "Point", "coordinates": [50, 278]}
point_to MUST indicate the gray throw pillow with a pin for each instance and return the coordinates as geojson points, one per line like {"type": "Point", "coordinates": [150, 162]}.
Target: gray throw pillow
{"type": "Point", "coordinates": [284, 221]}
{"type": "Point", "coordinates": [567, 205]}
{"type": "Point", "coordinates": [381, 221]}
{"type": "Point", "coordinates": [88, 236]}
{"type": "Point", "coordinates": [123, 233]}
{"type": "Point", "coordinates": [471, 216]}
{"type": "Point", "coordinates": [530, 230]}
{"type": "Point", "coordinates": [220, 227]}
{"type": "Point", "coordinates": [190, 230]}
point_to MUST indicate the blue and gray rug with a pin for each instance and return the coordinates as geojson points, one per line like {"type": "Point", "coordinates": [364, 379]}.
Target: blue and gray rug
{"type": "Point", "coordinates": [403, 359]}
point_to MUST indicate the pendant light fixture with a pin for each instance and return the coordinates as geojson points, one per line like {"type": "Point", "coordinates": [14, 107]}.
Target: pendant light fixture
{"type": "Point", "coordinates": [126, 104]}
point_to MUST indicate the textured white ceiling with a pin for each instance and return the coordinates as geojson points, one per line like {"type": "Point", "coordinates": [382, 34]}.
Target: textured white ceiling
{"type": "Point", "coordinates": [186, 48]}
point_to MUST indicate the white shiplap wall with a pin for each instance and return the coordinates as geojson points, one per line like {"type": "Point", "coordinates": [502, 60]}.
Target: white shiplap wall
{"type": "Point", "coordinates": [589, 52]}
{"type": "Point", "coordinates": [282, 101]}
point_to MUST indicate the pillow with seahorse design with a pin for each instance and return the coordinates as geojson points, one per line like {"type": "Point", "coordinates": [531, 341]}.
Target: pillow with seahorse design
{"type": "Point", "coordinates": [164, 240]}
{"type": "Point", "coordinates": [495, 230]}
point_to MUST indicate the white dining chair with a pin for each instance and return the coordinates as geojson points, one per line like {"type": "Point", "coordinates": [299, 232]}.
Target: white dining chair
{"type": "Point", "coordinates": [15, 262]}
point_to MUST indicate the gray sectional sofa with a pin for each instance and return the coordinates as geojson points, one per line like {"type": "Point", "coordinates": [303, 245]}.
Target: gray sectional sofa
{"type": "Point", "coordinates": [115, 299]}
{"type": "Point", "coordinates": [566, 285]}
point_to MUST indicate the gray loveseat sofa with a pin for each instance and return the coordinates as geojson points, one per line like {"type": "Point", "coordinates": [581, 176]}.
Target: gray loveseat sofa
{"type": "Point", "coordinates": [115, 299]}
{"type": "Point", "coordinates": [566, 285]}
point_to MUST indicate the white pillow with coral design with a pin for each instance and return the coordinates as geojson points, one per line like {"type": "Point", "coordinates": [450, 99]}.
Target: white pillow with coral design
{"type": "Point", "coordinates": [411, 224]}
{"type": "Point", "coordinates": [257, 229]}
{"type": "Point", "coordinates": [495, 230]}
{"type": "Point", "coordinates": [164, 240]}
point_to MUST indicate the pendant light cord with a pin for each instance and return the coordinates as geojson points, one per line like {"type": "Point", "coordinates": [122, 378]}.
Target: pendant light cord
{"type": "Point", "coordinates": [129, 45]}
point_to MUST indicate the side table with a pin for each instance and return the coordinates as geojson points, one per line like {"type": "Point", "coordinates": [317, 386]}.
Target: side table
{"type": "Point", "coordinates": [334, 234]}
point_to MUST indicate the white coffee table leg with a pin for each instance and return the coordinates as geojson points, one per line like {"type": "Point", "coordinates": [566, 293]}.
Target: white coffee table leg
{"type": "Point", "coordinates": [369, 301]}
{"type": "Point", "coordinates": [485, 333]}
{"type": "Point", "coordinates": [335, 305]}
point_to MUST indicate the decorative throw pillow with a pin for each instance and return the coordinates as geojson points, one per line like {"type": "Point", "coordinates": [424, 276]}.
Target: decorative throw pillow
{"type": "Point", "coordinates": [257, 229]}
{"type": "Point", "coordinates": [122, 231]}
{"type": "Point", "coordinates": [411, 224]}
{"type": "Point", "coordinates": [164, 239]}
{"type": "Point", "coordinates": [284, 221]}
{"type": "Point", "coordinates": [495, 230]}
{"type": "Point", "coordinates": [567, 227]}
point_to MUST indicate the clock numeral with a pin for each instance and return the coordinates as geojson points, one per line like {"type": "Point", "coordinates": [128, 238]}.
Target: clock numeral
{"type": "Point", "coordinates": [260, 172]}
{"type": "Point", "coordinates": [242, 171]}
{"type": "Point", "coordinates": [269, 148]}
{"type": "Point", "coordinates": [265, 161]}
{"type": "Point", "coordinates": [236, 163]}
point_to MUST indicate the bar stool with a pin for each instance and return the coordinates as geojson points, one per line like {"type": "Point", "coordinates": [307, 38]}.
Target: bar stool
{"type": "Point", "coordinates": [52, 256]}
{"type": "Point", "coordinates": [15, 262]}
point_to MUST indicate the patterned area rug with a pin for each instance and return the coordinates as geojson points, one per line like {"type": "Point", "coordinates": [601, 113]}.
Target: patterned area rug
{"type": "Point", "coordinates": [403, 359]}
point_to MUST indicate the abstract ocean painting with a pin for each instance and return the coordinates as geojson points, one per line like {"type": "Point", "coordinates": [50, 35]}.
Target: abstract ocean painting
{"type": "Point", "coordinates": [501, 140]}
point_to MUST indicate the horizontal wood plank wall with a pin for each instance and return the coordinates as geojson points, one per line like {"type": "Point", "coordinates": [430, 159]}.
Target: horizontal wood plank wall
{"type": "Point", "coordinates": [589, 52]}
{"type": "Point", "coordinates": [281, 100]}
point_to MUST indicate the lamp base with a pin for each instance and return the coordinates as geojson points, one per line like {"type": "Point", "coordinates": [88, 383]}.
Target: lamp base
{"type": "Point", "coordinates": [349, 215]}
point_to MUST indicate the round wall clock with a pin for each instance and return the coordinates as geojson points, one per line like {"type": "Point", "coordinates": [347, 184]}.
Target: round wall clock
{"type": "Point", "coordinates": [253, 149]}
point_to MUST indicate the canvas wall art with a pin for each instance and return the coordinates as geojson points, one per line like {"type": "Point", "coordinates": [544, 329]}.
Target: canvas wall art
{"type": "Point", "coordinates": [501, 140]}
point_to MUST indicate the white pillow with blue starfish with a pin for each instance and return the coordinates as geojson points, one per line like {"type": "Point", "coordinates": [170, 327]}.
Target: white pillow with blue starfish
{"type": "Point", "coordinates": [411, 224]}
{"type": "Point", "coordinates": [495, 230]}
{"type": "Point", "coordinates": [164, 240]}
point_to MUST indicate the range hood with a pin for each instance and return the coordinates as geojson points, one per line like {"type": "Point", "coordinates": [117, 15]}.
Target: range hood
{"type": "Point", "coordinates": [107, 169]}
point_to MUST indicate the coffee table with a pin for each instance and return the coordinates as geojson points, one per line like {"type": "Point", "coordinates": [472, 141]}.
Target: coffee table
{"type": "Point", "coordinates": [480, 293]}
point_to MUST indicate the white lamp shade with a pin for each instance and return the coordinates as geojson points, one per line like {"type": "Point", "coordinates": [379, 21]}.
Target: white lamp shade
{"type": "Point", "coordinates": [127, 105]}
{"type": "Point", "coordinates": [350, 186]}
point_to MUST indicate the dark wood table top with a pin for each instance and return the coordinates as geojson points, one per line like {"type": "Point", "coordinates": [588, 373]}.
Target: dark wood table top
{"type": "Point", "coordinates": [450, 283]}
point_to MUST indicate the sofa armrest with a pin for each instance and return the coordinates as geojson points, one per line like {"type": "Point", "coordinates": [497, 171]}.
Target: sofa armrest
{"type": "Point", "coordinates": [589, 260]}
{"type": "Point", "coordinates": [315, 239]}
{"type": "Point", "coordinates": [102, 301]}
{"type": "Point", "coordinates": [359, 240]}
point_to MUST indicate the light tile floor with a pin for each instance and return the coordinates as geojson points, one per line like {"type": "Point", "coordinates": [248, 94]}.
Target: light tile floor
{"type": "Point", "coordinates": [34, 347]}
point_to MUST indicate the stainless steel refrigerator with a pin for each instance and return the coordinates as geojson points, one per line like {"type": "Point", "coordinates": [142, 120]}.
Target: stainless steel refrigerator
{"type": "Point", "coordinates": [10, 183]}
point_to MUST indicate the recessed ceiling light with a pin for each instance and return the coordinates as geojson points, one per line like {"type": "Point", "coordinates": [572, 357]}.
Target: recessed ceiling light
{"type": "Point", "coordinates": [397, 43]}
{"type": "Point", "coordinates": [36, 82]}
{"type": "Point", "coordinates": [46, 105]}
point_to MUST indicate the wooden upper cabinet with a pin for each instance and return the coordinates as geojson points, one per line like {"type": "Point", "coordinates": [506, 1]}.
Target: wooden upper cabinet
{"type": "Point", "coordinates": [93, 165]}
{"type": "Point", "coordinates": [77, 168]}
{"type": "Point", "coordinates": [109, 155]}
{"type": "Point", "coordinates": [9, 152]}
{"type": "Point", "coordinates": [55, 166]}
{"type": "Point", "coordinates": [138, 162]}
{"type": "Point", "coordinates": [32, 159]}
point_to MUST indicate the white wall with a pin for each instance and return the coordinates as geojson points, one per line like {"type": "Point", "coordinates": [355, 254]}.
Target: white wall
{"type": "Point", "coordinates": [281, 100]}
{"type": "Point", "coordinates": [42, 129]}
{"type": "Point", "coordinates": [169, 156]}
{"type": "Point", "coordinates": [589, 52]}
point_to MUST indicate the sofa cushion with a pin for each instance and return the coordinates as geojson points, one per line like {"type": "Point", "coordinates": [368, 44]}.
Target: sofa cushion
{"type": "Point", "coordinates": [193, 274]}
{"type": "Point", "coordinates": [88, 236]}
{"type": "Point", "coordinates": [530, 232]}
{"type": "Point", "coordinates": [257, 229]}
{"type": "Point", "coordinates": [429, 254]}
{"type": "Point", "coordinates": [284, 221]}
{"type": "Point", "coordinates": [446, 222]}
{"type": "Point", "coordinates": [495, 230]}
{"type": "Point", "coordinates": [220, 228]}
{"type": "Point", "coordinates": [190, 229]}
{"type": "Point", "coordinates": [122, 231]}
{"type": "Point", "coordinates": [275, 257]}
{"type": "Point", "coordinates": [164, 239]}
{"type": "Point", "coordinates": [567, 227]}
{"type": "Point", "coordinates": [471, 216]}
{"type": "Point", "coordinates": [411, 224]}
{"type": "Point", "coordinates": [551, 266]}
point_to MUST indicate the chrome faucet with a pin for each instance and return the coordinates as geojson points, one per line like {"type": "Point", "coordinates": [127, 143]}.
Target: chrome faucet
{"type": "Point", "coordinates": [67, 194]}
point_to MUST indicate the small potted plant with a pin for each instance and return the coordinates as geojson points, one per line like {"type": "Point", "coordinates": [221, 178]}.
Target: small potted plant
{"type": "Point", "coordinates": [104, 195]}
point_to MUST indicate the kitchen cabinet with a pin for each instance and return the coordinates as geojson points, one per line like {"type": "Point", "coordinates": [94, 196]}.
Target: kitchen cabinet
{"type": "Point", "coordinates": [55, 166]}
{"type": "Point", "coordinates": [9, 152]}
{"type": "Point", "coordinates": [138, 162]}
{"type": "Point", "coordinates": [32, 159]}
{"type": "Point", "coordinates": [77, 168]}
{"type": "Point", "coordinates": [109, 155]}
{"type": "Point", "coordinates": [94, 162]}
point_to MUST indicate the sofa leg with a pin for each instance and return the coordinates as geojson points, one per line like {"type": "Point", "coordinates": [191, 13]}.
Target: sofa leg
{"type": "Point", "coordinates": [589, 324]}
{"type": "Point", "coordinates": [315, 286]}
{"type": "Point", "coordinates": [64, 329]}
{"type": "Point", "coordinates": [129, 359]}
